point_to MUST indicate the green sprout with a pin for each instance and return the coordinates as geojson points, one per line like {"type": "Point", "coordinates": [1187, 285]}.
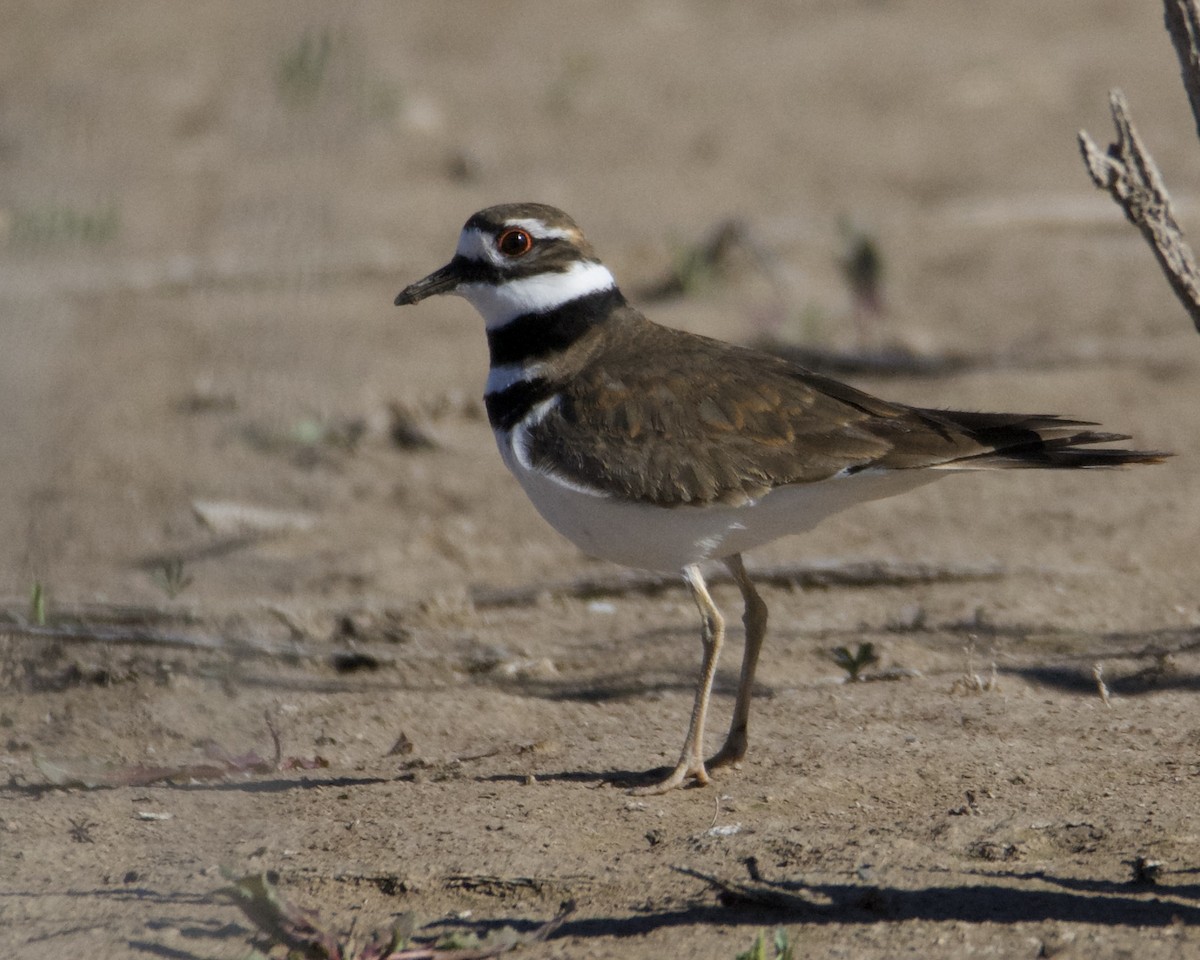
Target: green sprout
{"type": "Point", "coordinates": [303, 69]}
{"type": "Point", "coordinates": [758, 950]}
{"type": "Point", "coordinates": [37, 604]}
{"type": "Point", "coordinates": [56, 223]}
{"type": "Point", "coordinates": [855, 663]}
{"type": "Point", "coordinates": [172, 577]}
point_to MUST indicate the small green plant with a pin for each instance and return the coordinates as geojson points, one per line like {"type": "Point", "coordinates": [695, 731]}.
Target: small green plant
{"type": "Point", "coordinates": [81, 830]}
{"type": "Point", "coordinates": [758, 950]}
{"type": "Point", "coordinates": [862, 266]}
{"type": "Point", "coordinates": [692, 270]}
{"type": "Point", "coordinates": [699, 265]}
{"type": "Point", "coordinates": [55, 223]}
{"type": "Point", "coordinates": [37, 604]}
{"type": "Point", "coordinates": [172, 577]}
{"type": "Point", "coordinates": [854, 663]}
{"type": "Point", "coordinates": [328, 66]}
{"type": "Point", "coordinates": [304, 69]}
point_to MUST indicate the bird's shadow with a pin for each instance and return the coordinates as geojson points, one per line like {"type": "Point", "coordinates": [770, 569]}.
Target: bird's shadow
{"type": "Point", "coordinates": [1027, 898]}
{"type": "Point", "coordinates": [618, 779]}
{"type": "Point", "coordinates": [1074, 679]}
{"type": "Point", "coordinates": [998, 898]}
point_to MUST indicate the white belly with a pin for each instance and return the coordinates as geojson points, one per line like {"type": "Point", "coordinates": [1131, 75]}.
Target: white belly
{"type": "Point", "coordinates": [669, 538]}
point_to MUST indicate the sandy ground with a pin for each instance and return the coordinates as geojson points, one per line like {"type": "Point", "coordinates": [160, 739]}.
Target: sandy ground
{"type": "Point", "coordinates": [206, 212]}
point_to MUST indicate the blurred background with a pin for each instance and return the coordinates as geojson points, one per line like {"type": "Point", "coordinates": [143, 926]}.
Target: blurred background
{"type": "Point", "coordinates": [206, 210]}
{"type": "Point", "coordinates": [214, 423]}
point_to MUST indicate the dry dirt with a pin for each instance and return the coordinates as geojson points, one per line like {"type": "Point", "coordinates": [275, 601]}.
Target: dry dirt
{"type": "Point", "coordinates": [207, 210]}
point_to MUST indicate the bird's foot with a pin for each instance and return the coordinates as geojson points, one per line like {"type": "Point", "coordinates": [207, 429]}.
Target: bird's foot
{"type": "Point", "coordinates": [731, 753]}
{"type": "Point", "coordinates": [685, 771]}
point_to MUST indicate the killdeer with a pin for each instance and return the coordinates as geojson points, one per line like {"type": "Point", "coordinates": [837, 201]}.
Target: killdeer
{"type": "Point", "coordinates": [660, 449]}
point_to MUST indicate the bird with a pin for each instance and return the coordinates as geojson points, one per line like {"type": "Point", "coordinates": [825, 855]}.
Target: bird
{"type": "Point", "coordinates": [660, 449]}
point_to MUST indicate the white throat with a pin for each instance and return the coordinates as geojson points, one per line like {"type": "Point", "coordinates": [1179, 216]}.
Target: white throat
{"type": "Point", "coordinates": [542, 292]}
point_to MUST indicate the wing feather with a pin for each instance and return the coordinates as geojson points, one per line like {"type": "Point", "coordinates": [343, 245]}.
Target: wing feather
{"type": "Point", "coordinates": [668, 417]}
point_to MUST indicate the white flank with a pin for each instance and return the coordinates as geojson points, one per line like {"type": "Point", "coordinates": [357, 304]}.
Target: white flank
{"type": "Point", "coordinates": [668, 539]}
{"type": "Point", "coordinates": [539, 293]}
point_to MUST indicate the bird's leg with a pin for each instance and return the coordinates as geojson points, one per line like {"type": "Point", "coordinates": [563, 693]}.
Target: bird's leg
{"type": "Point", "coordinates": [755, 619]}
{"type": "Point", "coordinates": [712, 634]}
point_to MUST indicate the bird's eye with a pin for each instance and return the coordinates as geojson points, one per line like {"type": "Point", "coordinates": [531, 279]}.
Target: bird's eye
{"type": "Point", "coordinates": [515, 242]}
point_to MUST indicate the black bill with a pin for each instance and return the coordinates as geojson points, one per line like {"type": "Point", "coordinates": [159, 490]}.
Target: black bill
{"type": "Point", "coordinates": [440, 281]}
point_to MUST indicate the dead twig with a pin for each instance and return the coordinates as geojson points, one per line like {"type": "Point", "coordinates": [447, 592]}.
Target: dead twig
{"type": "Point", "coordinates": [299, 930]}
{"type": "Point", "coordinates": [278, 920]}
{"type": "Point", "coordinates": [1128, 172]}
{"type": "Point", "coordinates": [1182, 20]}
{"type": "Point", "coordinates": [276, 741]}
{"type": "Point", "coordinates": [1101, 686]}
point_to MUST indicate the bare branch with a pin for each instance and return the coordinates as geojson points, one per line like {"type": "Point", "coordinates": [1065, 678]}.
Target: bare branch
{"type": "Point", "coordinates": [1128, 173]}
{"type": "Point", "coordinates": [1183, 24]}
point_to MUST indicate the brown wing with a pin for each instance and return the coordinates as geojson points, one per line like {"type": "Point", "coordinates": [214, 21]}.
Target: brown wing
{"type": "Point", "coordinates": [668, 417]}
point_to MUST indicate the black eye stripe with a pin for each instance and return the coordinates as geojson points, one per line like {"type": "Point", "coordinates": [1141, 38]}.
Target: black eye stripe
{"type": "Point", "coordinates": [552, 256]}
{"type": "Point", "coordinates": [475, 271]}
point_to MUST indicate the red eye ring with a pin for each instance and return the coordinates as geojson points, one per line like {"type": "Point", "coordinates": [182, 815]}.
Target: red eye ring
{"type": "Point", "coordinates": [514, 242]}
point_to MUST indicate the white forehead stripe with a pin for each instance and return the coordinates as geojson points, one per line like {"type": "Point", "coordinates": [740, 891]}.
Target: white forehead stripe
{"type": "Point", "coordinates": [539, 293]}
{"type": "Point", "coordinates": [539, 231]}
{"type": "Point", "coordinates": [474, 244]}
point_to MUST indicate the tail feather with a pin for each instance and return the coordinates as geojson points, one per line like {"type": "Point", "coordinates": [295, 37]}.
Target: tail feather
{"type": "Point", "coordinates": [1045, 441]}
